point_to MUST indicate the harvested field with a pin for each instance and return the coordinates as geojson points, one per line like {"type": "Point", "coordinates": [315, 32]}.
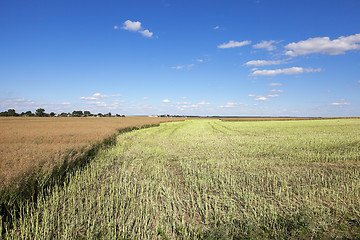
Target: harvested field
{"type": "Point", "coordinates": [28, 143]}
{"type": "Point", "coordinates": [208, 179]}
{"type": "Point", "coordinates": [277, 118]}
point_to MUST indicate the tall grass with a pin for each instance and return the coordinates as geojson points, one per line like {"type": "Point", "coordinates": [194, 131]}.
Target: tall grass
{"type": "Point", "coordinates": [207, 179]}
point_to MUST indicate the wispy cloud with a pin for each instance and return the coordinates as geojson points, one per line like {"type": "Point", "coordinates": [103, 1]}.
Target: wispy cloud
{"type": "Point", "coordinates": [136, 27]}
{"type": "Point", "coordinates": [166, 101]}
{"type": "Point", "coordinates": [324, 45]}
{"type": "Point", "coordinates": [275, 84]}
{"type": "Point", "coordinates": [204, 103]}
{"type": "Point", "coordinates": [268, 45]}
{"type": "Point", "coordinates": [276, 90]}
{"type": "Point", "coordinates": [341, 102]}
{"type": "Point", "coordinates": [232, 44]}
{"type": "Point", "coordinates": [97, 96]}
{"type": "Point", "coordinates": [286, 71]}
{"type": "Point", "coordinates": [98, 104]}
{"type": "Point", "coordinates": [178, 67]}
{"type": "Point", "coordinates": [262, 98]}
{"type": "Point", "coordinates": [232, 105]}
{"type": "Point", "coordinates": [266, 98]}
{"type": "Point", "coordinates": [258, 63]}
{"type": "Point", "coordinates": [216, 27]}
{"type": "Point", "coordinates": [116, 27]}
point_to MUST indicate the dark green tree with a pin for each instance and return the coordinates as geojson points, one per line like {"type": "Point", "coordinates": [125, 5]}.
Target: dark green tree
{"type": "Point", "coordinates": [12, 113]}
{"type": "Point", "coordinates": [40, 112]}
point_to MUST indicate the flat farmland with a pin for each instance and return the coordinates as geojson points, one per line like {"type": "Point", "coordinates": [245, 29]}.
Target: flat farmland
{"type": "Point", "coordinates": [28, 143]}
{"type": "Point", "coordinates": [210, 179]}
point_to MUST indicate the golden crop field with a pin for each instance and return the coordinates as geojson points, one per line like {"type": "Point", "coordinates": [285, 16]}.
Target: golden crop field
{"type": "Point", "coordinates": [28, 143]}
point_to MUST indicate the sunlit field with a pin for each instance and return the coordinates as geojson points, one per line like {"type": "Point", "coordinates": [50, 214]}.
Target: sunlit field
{"type": "Point", "coordinates": [209, 179]}
{"type": "Point", "coordinates": [29, 143]}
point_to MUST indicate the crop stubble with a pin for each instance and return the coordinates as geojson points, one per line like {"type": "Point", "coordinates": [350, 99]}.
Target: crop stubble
{"type": "Point", "coordinates": [207, 179]}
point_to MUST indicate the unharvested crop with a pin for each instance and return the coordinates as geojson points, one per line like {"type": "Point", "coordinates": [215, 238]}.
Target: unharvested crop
{"type": "Point", "coordinates": [208, 179]}
{"type": "Point", "coordinates": [28, 143]}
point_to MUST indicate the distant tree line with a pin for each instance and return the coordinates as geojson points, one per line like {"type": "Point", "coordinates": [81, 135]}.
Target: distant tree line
{"type": "Point", "coordinates": [40, 112]}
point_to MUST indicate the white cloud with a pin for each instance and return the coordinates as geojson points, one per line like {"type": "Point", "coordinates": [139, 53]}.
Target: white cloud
{"type": "Point", "coordinates": [275, 84]}
{"type": "Point", "coordinates": [341, 102]}
{"type": "Point", "coordinates": [183, 67]}
{"type": "Point", "coordinates": [286, 71]}
{"type": "Point", "coordinates": [97, 96]}
{"type": "Point", "coordinates": [276, 90]}
{"type": "Point", "coordinates": [273, 95]}
{"type": "Point", "coordinates": [99, 104]}
{"type": "Point", "coordinates": [260, 98]}
{"type": "Point", "coordinates": [200, 60]}
{"type": "Point", "coordinates": [324, 45]}
{"type": "Point", "coordinates": [216, 27]}
{"type": "Point", "coordinates": [268, 45]}
{"type": "Point", "coordinates": [166, 100]}
{"type": "Point", "coordinates": [146, 33]}
{"type": "Point", "coordinates": [204, 103]}
{"type": "Point", "coordinates": [262, 63]}
{"type": "Point", "coordinates": [232, 44]}
{"type": "Point", "coordinates": [136, 27]}
{"type": "Point", "coordinates": [116, 27]}
{"type": "Point", "coordinates": [132, 26]}
{"type": "Point", "coordinates": [229, 105]}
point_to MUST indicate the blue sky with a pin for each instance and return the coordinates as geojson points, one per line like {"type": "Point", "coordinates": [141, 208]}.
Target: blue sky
{"type": "Point", "coordinates": [249, 57]}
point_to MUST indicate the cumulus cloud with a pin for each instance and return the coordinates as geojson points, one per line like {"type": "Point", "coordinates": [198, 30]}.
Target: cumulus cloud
{"type": "Point", "coordinates": [97, 96]}
{"type": "Point", "coordinates": [258, 63]}
{"type": "Point", "coordinates": [146, 33]}
{"type": "Point", "coordinates": [136, 27]}
{"type": "Point", "coordinates": [268, 45]}
{"type": "Point", "coordinates": [324, 45]}
{"type": "Point", "coordinates": [132, 26]}
{"type": "Point", "coordinates": [232, 44]}
{"type": "Point", "coordinates": [286, 71]}
{"type": "Point", "coordinates": [116, 27]}
{"type": "Point", "coordinates": [275, 84]}
{"type": "Point", "coordinates": [166, 101]}
{"type": "Point", "coordinates": [341, 102]}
